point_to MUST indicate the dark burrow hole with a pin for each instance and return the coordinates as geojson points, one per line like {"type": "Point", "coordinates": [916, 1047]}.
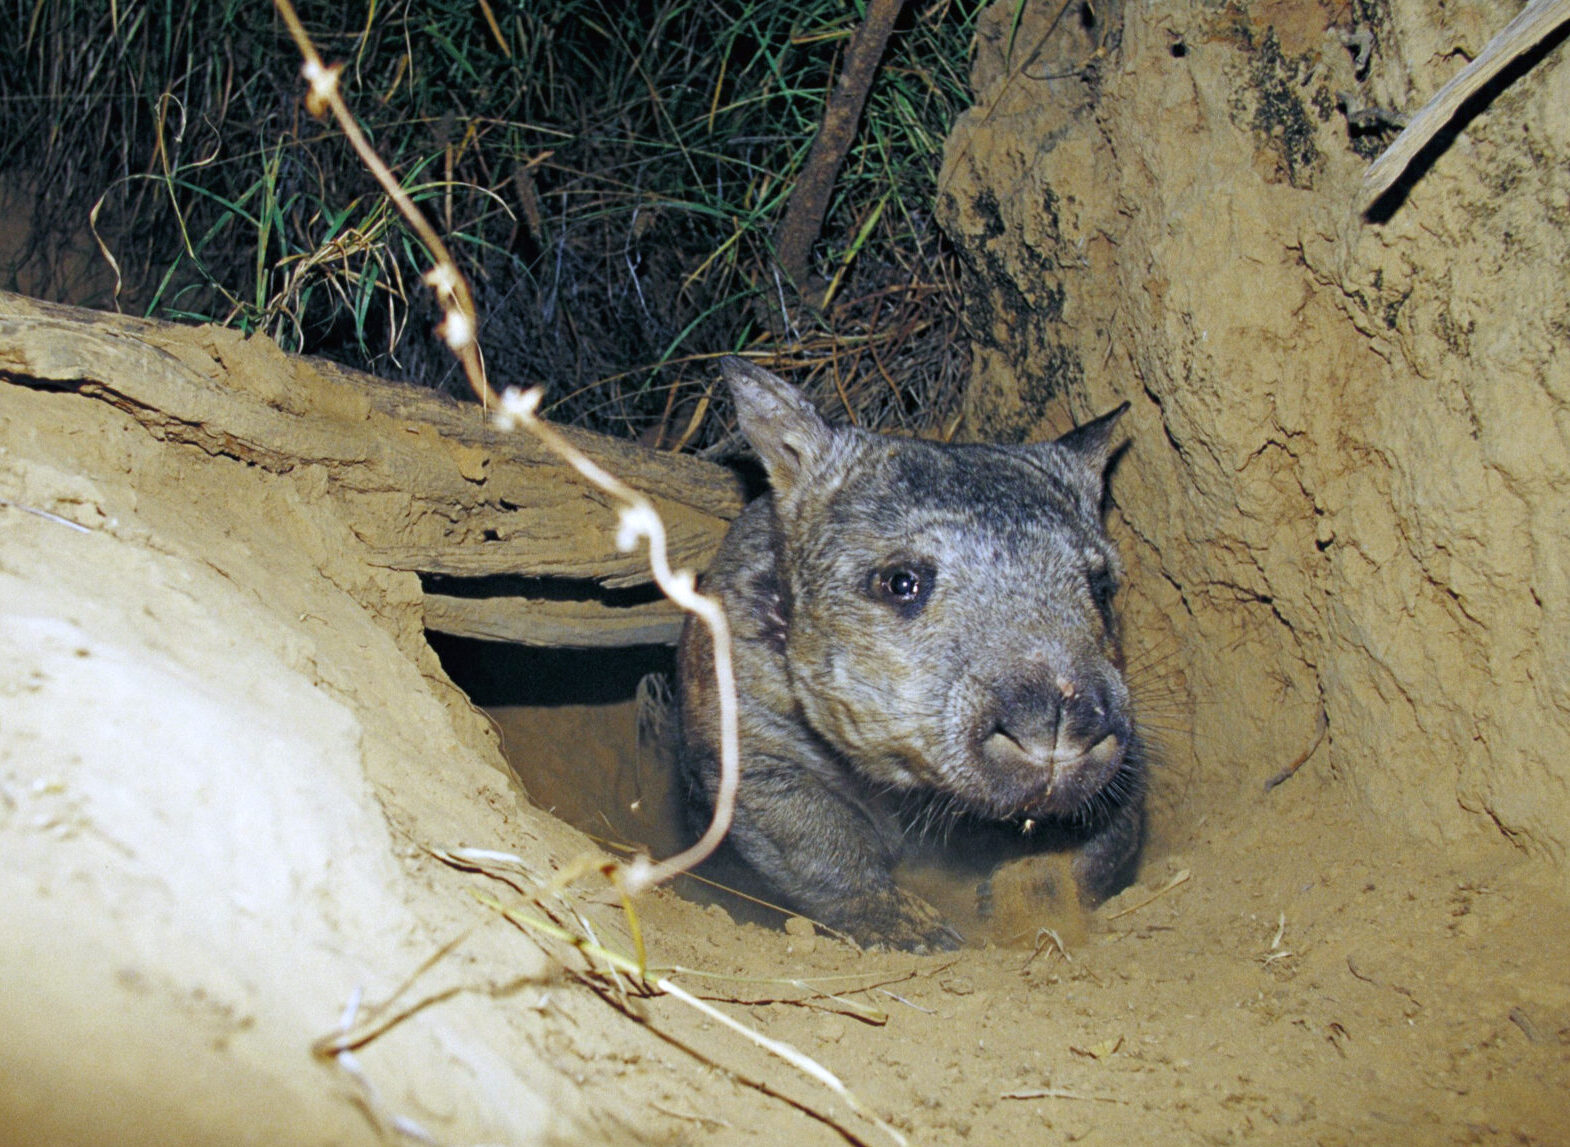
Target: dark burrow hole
{"type": "Point", "coordinates": [587, 735]}
{"type": "Point", "coordinates": [585, 731]}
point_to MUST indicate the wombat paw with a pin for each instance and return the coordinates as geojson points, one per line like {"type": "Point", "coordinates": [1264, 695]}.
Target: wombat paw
{"type": "Point", "coordinates": [912, 925]}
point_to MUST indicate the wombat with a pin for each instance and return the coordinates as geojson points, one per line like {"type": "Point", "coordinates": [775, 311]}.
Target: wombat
{"type": "Point", "coordinates": [925, 645]}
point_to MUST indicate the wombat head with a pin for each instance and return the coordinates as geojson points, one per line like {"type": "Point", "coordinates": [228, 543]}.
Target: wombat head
{"type": "Point", "coordinates": [948, 608]}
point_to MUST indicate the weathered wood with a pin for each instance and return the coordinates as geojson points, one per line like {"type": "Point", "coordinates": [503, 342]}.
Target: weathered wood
{"type": "Point", "coordinates": [427, 484]}
{"type": "Point", "coordinates": [1535, 23]}
{"type": "Point", "coordinates": [563, 624]}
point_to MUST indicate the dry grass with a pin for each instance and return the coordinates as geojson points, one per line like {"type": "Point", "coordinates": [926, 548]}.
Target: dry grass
{"type": "Point", "coordinates": [609, 176]}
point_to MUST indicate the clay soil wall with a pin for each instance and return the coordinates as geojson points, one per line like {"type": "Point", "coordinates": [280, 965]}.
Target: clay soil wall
{"type": "Point", "coordinates": [1344, 505]}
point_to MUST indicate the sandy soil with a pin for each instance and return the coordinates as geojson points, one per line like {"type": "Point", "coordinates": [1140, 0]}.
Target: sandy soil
{"type": "Point", "coordinates": [224, 756]}
{"type": "Point", "coordinates": [1285, 969]}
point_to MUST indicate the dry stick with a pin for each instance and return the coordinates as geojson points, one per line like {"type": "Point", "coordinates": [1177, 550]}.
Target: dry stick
{"type": "Point", "coordinates": [800, 1061]}
{"type": "Point", "coordinates": [519, 410]}
{"type": "Point", "coordinates": [1536, 22]}
{"type": "Point", "coordinates": [1180, 878]}
{"type": "Point", "coordinates": [1297, 762]}
{"type": "Point", "coordinates": [382, 1117]}
{"type": "Point", "coordinates": [354, 1033]}
{"type": "Point", "coordinates": [809, 199]}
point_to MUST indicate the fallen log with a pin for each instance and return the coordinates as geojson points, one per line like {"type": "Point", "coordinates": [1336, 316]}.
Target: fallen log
{"type": "Point", "coordinates": [426, 483]}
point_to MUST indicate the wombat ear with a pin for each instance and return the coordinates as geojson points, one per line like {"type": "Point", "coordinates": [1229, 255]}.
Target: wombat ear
{"type": "Point", "coordinates": [1092, 443]}
{"type": "Point", "coordinates": [1092, 446]}
{"type": "Point", "coordinates": [783, 426]}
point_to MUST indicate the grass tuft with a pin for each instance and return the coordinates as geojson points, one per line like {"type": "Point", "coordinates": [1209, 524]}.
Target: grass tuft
{"type": "Point", "coordinates": [608, 173]}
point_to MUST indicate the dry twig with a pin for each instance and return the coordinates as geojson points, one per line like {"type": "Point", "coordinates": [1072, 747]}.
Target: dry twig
{"type": "Point", "coordinates": [519, 410]}
{"type": "Point", "coordinates": [1179, 878]}
{"type": "Point", "coordinates": [1321, 726]}
{"type": "Point", "coordinates": [1536, 22]}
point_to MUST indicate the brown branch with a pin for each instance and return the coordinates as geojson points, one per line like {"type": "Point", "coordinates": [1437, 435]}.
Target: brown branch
{"type": "Point", "coordinates": [1537, 22]}
{"type": "Point", "coordinates": [640, 522]}
{"type": "Point", "coordinates": [809, 200]}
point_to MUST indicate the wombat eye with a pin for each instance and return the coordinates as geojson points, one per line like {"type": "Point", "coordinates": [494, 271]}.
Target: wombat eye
{"type": "Point", "coordinates": [904, 586]}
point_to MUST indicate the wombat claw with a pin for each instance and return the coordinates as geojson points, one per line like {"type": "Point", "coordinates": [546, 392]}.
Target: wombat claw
{"type": "Point", "coordinates": [918, 928]}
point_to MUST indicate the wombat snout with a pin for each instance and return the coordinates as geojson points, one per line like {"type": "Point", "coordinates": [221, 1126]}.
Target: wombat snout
{"type": "Point", "coordinates": [1065, 740]}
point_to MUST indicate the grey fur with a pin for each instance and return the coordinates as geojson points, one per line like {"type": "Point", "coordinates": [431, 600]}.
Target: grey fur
{"type": "Point", "coordinates": [924, 636]}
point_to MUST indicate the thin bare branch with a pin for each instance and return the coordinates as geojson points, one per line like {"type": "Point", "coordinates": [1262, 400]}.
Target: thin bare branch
{"type": "Point", "coordinates": [519, 409]}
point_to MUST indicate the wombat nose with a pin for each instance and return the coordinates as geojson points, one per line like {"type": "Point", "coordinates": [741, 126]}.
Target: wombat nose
{"type": "Point", "coordinates": [1048, 727]}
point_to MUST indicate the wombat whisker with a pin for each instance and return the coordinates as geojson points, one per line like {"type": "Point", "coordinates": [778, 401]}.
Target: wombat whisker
{"type": "Point", "coordinates": [1169, 720]}
{"type": "Point", "coordinates": [1145, 682]}
{"type": "Point", "coordinates": [1157, 688]}
{"type": "Point", "coordinates": [1151, 661]}
{"type": "Point", "coordinates": [1105, 803]}
{"type": "Point", "coordinates": [947, 817]}
{"type": "Point", "coordinates": [1146, 686]}
{"type": "Point", "coordinates": [1160, 707]}
{"type": "Point", "coordinates": [1163, 646]}
{"type": "Point", "coordinates": [1085, 814]}
{"type": "Point", "coordinates": [1164, 667]}
{"type": "Point", "coordinates": [1152, 643]}
{"type": "Point", "coordinates": [928, 817]}
{"type": "Point", "coordinates": [1157, 734]}
{"type": "Point", "coordinates": [1174, 705]}
{"type": "Point", "coordinates": [1154, 678]}
{"type": "Point", "coordinates": [920, 818]}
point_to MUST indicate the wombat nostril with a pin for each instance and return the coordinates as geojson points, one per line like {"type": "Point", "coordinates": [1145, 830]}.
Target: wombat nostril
{"type": "Point", "coordinates": [1050, 725]}
{"type": "Point", "coordinates": [1007, 750]}
{"type": "Point", "coordinates": [1026, 732]}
